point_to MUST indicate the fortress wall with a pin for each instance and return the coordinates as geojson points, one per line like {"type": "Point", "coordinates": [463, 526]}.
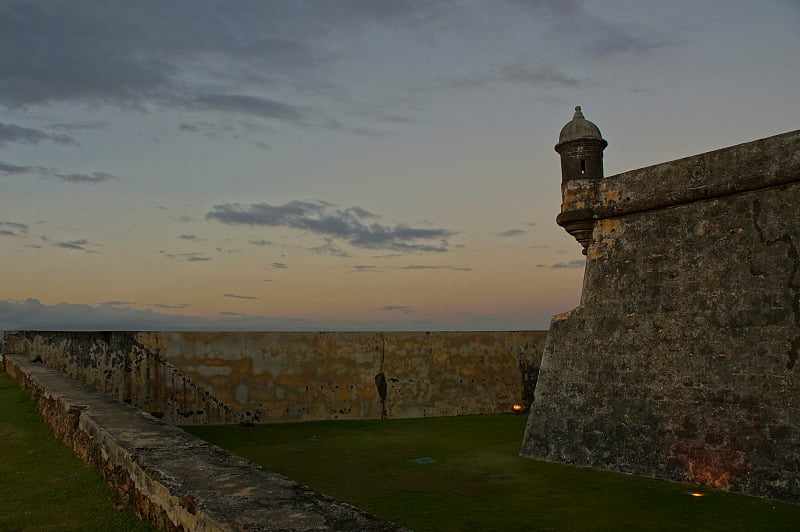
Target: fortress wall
{"type": "Point", "coordinates": [174, 480]}
{"type": "Point", "coordinates": [197, 378]}
{"type": "Point", "coordinates": [681, 361]}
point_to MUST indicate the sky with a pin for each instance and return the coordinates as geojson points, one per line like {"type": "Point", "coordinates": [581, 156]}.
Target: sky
{"type": "Point", "coordinates": [344, 164]}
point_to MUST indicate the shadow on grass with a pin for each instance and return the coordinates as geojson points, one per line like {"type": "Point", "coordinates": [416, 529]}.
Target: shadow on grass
{"type": "Point", "coordinates": [464, 473]}
{"type": "Point", "coordinates": [43, 485]}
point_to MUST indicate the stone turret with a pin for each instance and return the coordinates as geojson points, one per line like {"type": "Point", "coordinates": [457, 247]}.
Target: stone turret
{"type": "Point", "coordinates": [580, 145]}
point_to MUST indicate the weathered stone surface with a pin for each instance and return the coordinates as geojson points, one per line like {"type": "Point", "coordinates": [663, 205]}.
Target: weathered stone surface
{"type": "Point", "coordinates": [681, 361]}
{"type": "Point", "coordinates": [188, 378]}
{"type": "Point", "coordinates": [173, 479]}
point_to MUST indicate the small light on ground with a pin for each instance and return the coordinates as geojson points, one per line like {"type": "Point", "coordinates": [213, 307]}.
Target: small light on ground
{"type": "Point", "coordinates": [696, 494]}
{"type": "Point", "coordinates": [516, 407]}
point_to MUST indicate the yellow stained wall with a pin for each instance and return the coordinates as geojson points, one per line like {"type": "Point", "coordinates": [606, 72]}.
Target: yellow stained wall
{"type": "Point", "coordinates": [212, 377]}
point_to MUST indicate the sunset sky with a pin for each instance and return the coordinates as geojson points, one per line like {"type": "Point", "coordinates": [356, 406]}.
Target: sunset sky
{"type": "Point", "coordinates": [344, 165]}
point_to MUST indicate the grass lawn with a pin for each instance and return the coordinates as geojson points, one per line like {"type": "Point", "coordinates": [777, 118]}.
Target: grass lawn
{"type": "Point", "coordinates": [43, 485]}
{"type": "Point", "coordinates": [463, 473]}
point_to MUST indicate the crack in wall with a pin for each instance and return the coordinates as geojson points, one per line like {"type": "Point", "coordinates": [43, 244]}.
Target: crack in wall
{"type": "Point", "coordinates": [795, 350]}
{"type": "Point", "coordinates": [380, 378]}
{"type": "Point", "coordinates": [755, 272]}
{"type": "Point", "coordinates": [383, 351]}
{"type": "Point", "coordinates": [793, 284]}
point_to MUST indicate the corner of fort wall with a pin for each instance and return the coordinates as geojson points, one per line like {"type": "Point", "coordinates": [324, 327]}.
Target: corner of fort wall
{"type": "Point", "coordinates": [681, 361]}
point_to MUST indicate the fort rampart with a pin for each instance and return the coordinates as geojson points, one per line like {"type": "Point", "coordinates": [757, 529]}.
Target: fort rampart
{"type": "Point", "coordinates": [170, 478]}
{"type": "Point", "coordinates": [198, 378]}
{"type": "Point", "coordinates": [681, 361]}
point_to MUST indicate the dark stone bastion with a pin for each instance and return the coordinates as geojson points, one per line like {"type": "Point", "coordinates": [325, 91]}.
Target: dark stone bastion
{"type": "Point", "coordinates": [681, 361]}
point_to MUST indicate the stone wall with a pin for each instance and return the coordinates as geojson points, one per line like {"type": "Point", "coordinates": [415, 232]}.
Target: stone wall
{"type": "Point", "coordinates": [681, 361]}
{"type": "Point", "coordinates": [174, 480]}
{"type": "Point", "coordinates": [197, 378]}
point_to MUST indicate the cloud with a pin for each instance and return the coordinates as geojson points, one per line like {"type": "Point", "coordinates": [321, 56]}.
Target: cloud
{"type": "Point", "coordinates": [279, 266]}
{"type": "Point", "coordinates": [225, 125]}
{"type": "Point", "coordinates": [193, 238]}
{"type": "Point", "coordinates": [74, 56]}
{"type": "Point", "coordinates": [11, 169]}
{"type": "Point", "coordinates": [247, 105]}
{"type": "Point", "coordinates": [397, 308]}
{"type": "Point", "coordinates": [264, 60]}
{"type": "Point", "coordinates": [358, 211]}
{"type": "Point", "coordinates": [187, 257]}
{"type": "Point", "coordinates": [229, 313]}
{"type": "Point", "coordinates": [236, 296]}
{"type": "Point", "coordinates": [522, 72]}
{"type": "Point", "coordinates": [138, 54]}
{"type": "Point", "coordinates": [571, 21]}
{"type": "Point", "coordinates": [541, 75]}
{"type": "Point", "coordinates": [182, 219]}
{"type": "Point", "coordinates": [570, 27]}
{"type": "Point", "coordinates": [13, 228]}
{"type": "Point", "coordinates": [511, 233]}
{"type": "Point", "coordinates": [329, 248]}
{"type": "Point", "coordinates": [420, 267]}
{"type": "Point", "coordinates": [78, 245]}
{"type": "Point", "coordinates": [12, 133]}
{"type": "Point", "coordinates": [31, 314]}
{"type": "Point", "coordinates": [395, 119]}
{"type": "Point", "coordinates": [349, 225]}
{"type": "Point", "coordinates": [577, 263]}
{"type": "Point", "coordinates": [365, 268]}
{"type": "Point", "coordinates": [90, 178]}
{"type": "Point", "coordinates": [612, 39]}
{"type": "Point", "coordinates": [75, 244]}
{"type": "Point", "coordinates": [428, 267]}
{"type": "Point", "coordinates": [118, 303]}
{"type": "Point", "coordinates": [79, 125]}
{"type": "Point", "coordinates": [470, 81]}
{"type": "Point", "coordinates": [251, 65]}
{"type": "Point", "coordinates": [166, 306]}
{"type": "Point", "coordinates": [260, 242]}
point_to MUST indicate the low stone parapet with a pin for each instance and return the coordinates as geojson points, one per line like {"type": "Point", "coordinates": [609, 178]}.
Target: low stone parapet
{"type": "Point", "coordinates": [174, 480]}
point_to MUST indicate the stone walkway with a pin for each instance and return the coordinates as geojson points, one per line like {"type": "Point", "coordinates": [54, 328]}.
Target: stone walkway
{"type": "Point", "coordinates": [175, 480]}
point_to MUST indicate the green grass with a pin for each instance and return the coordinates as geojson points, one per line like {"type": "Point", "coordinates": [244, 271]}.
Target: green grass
{"type": "Point", "coordinates": [43, 485]}
{"type": "Point", "coordinates": [476, 480]}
